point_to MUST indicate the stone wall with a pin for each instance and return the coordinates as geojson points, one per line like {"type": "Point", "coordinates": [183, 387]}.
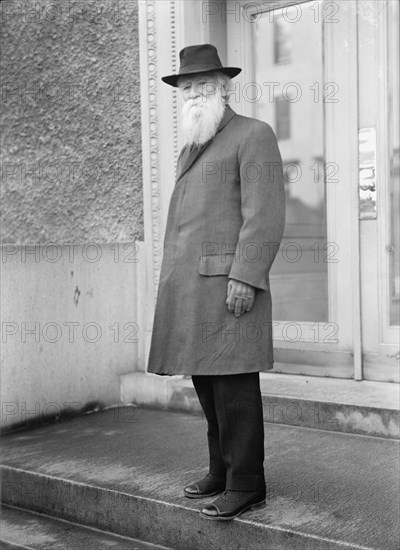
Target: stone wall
{"type": "Point", "coordinates": [71, 173]}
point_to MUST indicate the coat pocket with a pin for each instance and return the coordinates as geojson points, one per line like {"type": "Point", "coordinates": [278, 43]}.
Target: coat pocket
{"type": "Point", "coordinates": [216, 264]}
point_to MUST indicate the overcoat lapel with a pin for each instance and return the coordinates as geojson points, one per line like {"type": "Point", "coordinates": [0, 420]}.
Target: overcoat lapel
{"type": "Point", "coordinates": [189, 155]}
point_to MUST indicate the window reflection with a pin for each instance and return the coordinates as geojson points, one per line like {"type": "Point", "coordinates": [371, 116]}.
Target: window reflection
{"type": "Point", "coordinates": [282, 40]}
{"type": "Point", "coordinates": [293, 105]}
{"type": "Point", "coordinates": [394, 140]}
{"type": "Point", "coordinates": [282, 118]}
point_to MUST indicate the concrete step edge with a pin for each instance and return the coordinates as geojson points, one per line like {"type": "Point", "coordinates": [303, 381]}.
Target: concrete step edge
{"type": "Point", "coordinates": [178, 394]}
{"type": "Point", "coordinates": [7, 545]}
{"type": "Point", "coordinates": [148, 519]}
{"type": "Point", "coordinates": [58, 528]}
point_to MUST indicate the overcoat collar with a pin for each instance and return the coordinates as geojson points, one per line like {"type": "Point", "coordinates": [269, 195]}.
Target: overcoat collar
{"type": "Point", "coordinates": [189, 156]}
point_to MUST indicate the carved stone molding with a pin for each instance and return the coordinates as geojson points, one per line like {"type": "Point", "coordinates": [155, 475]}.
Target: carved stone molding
{"type": "Point", "coordinates": [153, 132]}
{"type": "Point", "coordinates": [158, 49]}
{"type": "Point", "coordinates": [175, 69]}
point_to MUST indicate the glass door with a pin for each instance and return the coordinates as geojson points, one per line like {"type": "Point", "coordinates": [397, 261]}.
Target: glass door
{"type": "Point", "coordinates": [379, 186]}
{"type": "Point", "coordinates": [297, 61]}
{"type": "Point", "coordinates": [393, 282]}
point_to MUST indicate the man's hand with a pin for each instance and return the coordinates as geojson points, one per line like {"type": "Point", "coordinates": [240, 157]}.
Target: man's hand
{"type": "Point", "coordinates": [240, 297]}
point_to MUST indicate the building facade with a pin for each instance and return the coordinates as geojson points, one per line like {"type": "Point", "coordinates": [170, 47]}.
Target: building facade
{"type": "Point", "coordinates": [325, 76]}
{"type": "Point", "coordinates": [90, 143]}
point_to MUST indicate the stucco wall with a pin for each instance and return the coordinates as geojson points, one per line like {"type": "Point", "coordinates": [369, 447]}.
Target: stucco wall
{"type": "Point", "coordinates": [70, 327]}
{"type": "Point", "coordinates": [71, 173]}
{"type": "Point", "coordinates": [71, 135]}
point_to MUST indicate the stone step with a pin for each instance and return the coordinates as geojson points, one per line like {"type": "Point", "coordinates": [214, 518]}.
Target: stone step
{"type": "Point", "coordinates": [22, 529]}
{"type": "Point", "coordinates": [122, 471]}
{"type": "Point", "coordinates": [339, 405]}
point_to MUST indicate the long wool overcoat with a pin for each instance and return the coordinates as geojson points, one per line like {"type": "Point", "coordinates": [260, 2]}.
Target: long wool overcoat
{"type": "Point", "coordinates": [225, 220]}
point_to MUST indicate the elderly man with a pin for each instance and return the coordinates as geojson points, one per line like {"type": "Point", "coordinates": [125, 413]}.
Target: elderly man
{"type": "Point", "coordinates": [213, 312]}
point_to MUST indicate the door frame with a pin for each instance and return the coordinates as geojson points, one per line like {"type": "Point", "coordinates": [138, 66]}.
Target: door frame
{"type": "Point", "coordinates": [380, 339]}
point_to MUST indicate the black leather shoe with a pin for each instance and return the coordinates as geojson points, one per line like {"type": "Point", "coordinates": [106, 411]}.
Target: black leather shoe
{"type": "Point", "coordinates": [233, 503]}
{"type": "Point", "coordinates": [207, 487]}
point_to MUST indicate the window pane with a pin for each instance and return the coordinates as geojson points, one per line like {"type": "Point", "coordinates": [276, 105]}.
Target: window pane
{"type": "Point", "coordinates": [292, 104]}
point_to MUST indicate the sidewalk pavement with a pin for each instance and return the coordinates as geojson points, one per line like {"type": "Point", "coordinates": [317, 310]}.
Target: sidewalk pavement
{"type": "Point", "coordinates": [123, 470]}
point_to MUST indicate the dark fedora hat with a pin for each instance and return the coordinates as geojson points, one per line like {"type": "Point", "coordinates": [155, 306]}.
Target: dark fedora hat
{"type": "Point", "coordinates": [199, 59]}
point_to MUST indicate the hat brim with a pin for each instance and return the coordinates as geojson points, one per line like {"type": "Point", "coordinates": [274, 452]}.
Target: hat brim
{"type": "Point", "coordinates": [172, 79]}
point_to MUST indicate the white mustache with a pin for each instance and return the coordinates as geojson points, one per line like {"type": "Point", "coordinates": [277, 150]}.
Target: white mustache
{"type": "Point", "coordinates": [196, 102]}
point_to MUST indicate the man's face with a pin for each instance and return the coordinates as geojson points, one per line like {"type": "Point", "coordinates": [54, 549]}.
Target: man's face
{"type": "Point", "coordinates": [203, 107]}
{"type": "Point", "coordinates": [198, 86]}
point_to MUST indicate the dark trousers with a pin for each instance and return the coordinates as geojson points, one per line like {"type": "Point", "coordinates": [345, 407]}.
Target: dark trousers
{"type": "Point", "coordinates": [232, 406]}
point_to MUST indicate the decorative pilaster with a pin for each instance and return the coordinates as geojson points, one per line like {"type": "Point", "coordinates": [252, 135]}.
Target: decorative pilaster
{"type": "Point", "coordinates": [150, 135]}
{"type": "Point", "coordinates": [175, 68]}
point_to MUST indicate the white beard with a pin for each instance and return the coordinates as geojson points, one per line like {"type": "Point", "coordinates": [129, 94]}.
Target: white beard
{"type": "Point", "coordinates": [201, 118]}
